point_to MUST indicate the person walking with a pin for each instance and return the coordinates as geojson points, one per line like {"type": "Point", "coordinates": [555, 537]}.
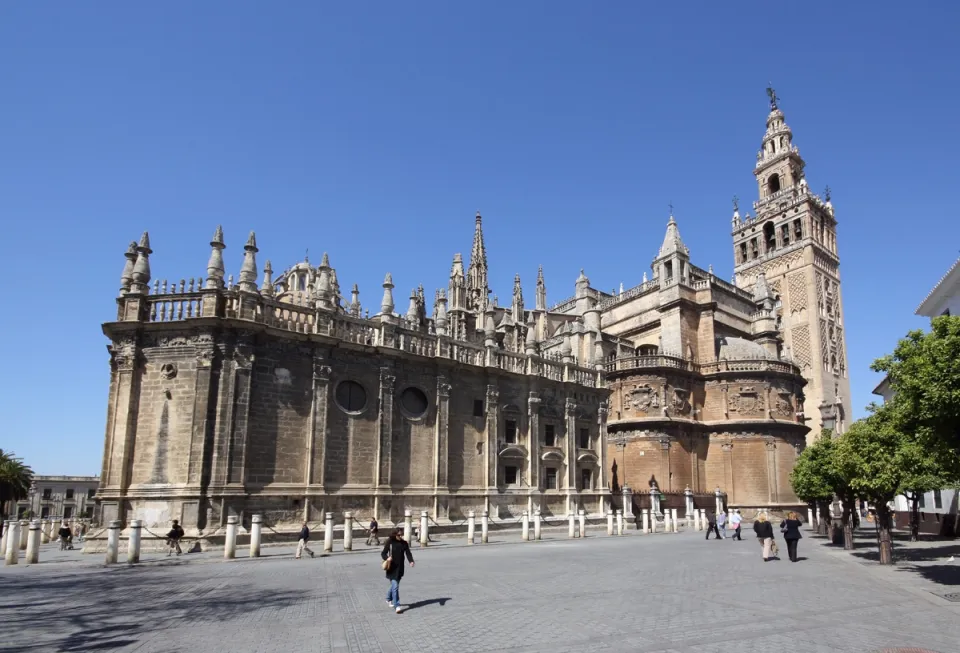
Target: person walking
{"type": "Point", "coordinates": [173, 538]}
{"type": "Point", "coordinates": [394, 551]}
{"type": "Point", "coordinates": [711, 524]}
{"type": "Point", "coordinates": [302, 540]}
{"type": "Point", "coordinates": [764, 531]}
{"type": "Point", "coordinates": [790, 527]}
{"type": "Point", "coordinates": [722, 524]}
{"type": "Point", "coordinates": [373, 533]}
{"type": "Point", "coordinates": [735, 520]}
{"type": "Point", "coordinates": [66, 537]}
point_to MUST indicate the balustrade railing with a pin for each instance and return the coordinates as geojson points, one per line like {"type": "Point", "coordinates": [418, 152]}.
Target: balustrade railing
{"type": "Point", "coordinates": [170, 308]}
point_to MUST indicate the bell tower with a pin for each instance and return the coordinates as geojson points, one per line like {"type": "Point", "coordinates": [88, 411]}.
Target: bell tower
{"type": "Point", "coordinates": [791, 241]}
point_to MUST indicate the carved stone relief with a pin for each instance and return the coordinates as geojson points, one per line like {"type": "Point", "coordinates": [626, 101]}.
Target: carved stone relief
{"type": "Point", "coordinates": [168, 371]}
{"type": "Point", "coordinates": [746, 399]}
{"type": "Point", "coordinates": [784, 406]}
{"type": "Point", "coordinates": [643, 397]}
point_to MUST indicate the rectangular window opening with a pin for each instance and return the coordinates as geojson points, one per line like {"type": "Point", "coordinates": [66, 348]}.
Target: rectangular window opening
{"type": "Point", "coordinates": [584, 439]}
{"type": "Point", "coordinates": [91, 493]}
{"type": "Point", "coordinates": [586, 479]}
{"type": "Point", "coordinates": [44, 512]}
{"type": "Point", "coordinates": [549, 436]}
{"type": "Point", "coordinates": [511, 432]}
{"type": "Point", "coordinates": [89, 512]}
{"type": "Point", "coordinates": [550, 478]}
{"type": "Point", "coordinates": [922, 503]}
{"type": "Point", "coordinates": [937, 499]}
{"type": "Point", "coordinates": [47, 493]}
{"type": "Point", "coordinates": [68, 512]}
{"type": "Point", "coordinates": [478, 407]}
{"type": "Point", "coordinates": [69, 494]}
{"type": "Point", "coordinates": [668, 270]}
{"type": "Point", "coordinates": [510, 475]}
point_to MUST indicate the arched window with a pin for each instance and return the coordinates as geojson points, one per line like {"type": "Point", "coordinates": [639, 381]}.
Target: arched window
{"type": "Point", "coordinates": [773, 183]}
{"type": "Point", "coordinates": [769, 237]}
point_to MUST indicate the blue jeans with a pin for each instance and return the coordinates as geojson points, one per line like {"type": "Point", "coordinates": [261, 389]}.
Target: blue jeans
{"type": "Point", "coordinates": [723, 530]}
{"type": "Point", "coordinates": [393, 593]}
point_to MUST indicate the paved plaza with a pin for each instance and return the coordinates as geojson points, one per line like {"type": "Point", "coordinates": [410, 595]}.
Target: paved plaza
{"type": "Point", "coordinates": [655, 593]}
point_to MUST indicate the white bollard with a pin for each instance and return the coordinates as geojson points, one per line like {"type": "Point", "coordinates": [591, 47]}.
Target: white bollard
{"type": "Point", "coordinates": [645, 517]}
{"type": "Point", "coordinates": [424, 528]}
{"type": "Point", "coordinates": [582, 516]}
{"type": "Point", "coordinates": [230, 541]}
{"type": "Point", "coordinates": [676, 525]}
{"type": "Point", "coordinates": [49, 530]}
{"type": "Point", "coordinates": [133, 544]}
{"type": "Point", "coordinates": [609, 522]}
{"type": "Point", "coordinates": [619, 522]}
{"type": "Point", "coordinates": [328, 533]}
{"type": "Point", "coordinates": [113, 542]}
{"type": "Point", "coordinates": [525, 535]}
{"type": "Point", "coordinates": [810, 517]}
{"type": "Point", "coordinates": [348, 531]}
{"type": "Point", "coordinates": [256, 530]}
{"type": "Point", "coordinates": [408, 526]}
{"type": "Point", "coordinates": [703, 519]}
{"type": "Point", "coordinates": [572, 530]}
{"type": "Point", "coordinates": [485, 527]}
{"type": "Point", "coordinates": [24, 532]}
{"type": "Point", "coordinates": [33, 543]}
{"type": "Point", "coordinates": [12, 553]}
{"type": "Point", "coordinates": [44, 531]}
{"type": "Point", "coordinates": [5, 537]}
{"type": "Point", "coordinates": [666, 520]}
{"type": "Point", "coordinates": [536, 524]}
{"type": "Point", "coordinates": [471, 526]}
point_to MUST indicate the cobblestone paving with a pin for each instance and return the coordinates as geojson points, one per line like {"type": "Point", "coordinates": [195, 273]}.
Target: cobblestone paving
{"type": "Point", "coordinates": [663, 593]}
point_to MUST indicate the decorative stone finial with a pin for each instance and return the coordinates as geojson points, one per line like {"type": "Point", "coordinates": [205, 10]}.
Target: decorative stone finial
{"type": "Point", "coordinates": [248, 271]}
{"type": "Point", "coordinates": [215, 270]}
{"type": "Point", "coordinates": [267, 288]}
{"type": "Point", "coordinates": [772, 94]}
{"type": "Point", "coordinates": [412, 314]}
{"type": "Point", "coordinates": [541, 304]}
{"type": "Point", "coordinates": [141, 269]}
{"type": "Point", "coordinates": [386, 305]}
{"type": "Point", "coordinates": [672, 243]}
{"type": "Point", "coordinates": [355, 301]}
{"type": "Point", "coordinates": [126, 277]}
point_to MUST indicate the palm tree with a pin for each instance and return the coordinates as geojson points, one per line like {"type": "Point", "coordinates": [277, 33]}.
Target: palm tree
{"type": "Point", "coordinates": [15, 479]}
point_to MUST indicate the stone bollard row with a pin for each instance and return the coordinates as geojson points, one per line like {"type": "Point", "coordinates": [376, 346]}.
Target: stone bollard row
{"type": "Point", "coordinates": [609, 522]}
{"type": "Point", "coordinates": [471, 526]}
{"type": "Point", "coordinates": [572, 529]}
{"type": "Point", "coordinates": [485, 527]}
{"type": "Point", "coordinates": [619, 522]}
{"type": "Point", "coordinates": [33, 543]}
{"type": "Point", "coordinates": [348, 531]}
{"type": "Point", "coordinates": [676, 524]}
{"type": "Point", "coordinates": [645, 520]}
{"type": "Point", "coordinates": [536, 525]}
{"type": "Point", "coordinates": [230, 541]}
{"type": "Point", "coordinates": [424, 528]}
{"type": "Point", "coordinates": [113, 542]}
{"type": "Point", "coordinates": [525, 528]}
{"type": "Point", "coordinates": [703, 519]}
{"type": "Point", "coordinates": [328, 533]}
{"type": "Point", "coordinates": [256, 530]}
{"type": "Point", "coordinates": [12, 552]}
{"type": "Point", "coordinates": [3, 538]}
{"type": "Point", "coordinates": [582, 516]}
{"type": "Point", "coordinates": [407, 526]}
{"type": "Point", "coordinates": [133, 544]}
{"type": "Point", "coordinates": [24, 533]}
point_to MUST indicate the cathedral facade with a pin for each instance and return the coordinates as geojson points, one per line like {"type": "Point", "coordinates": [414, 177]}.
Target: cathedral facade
{"type": "Point", "coordinates": [282, 396]}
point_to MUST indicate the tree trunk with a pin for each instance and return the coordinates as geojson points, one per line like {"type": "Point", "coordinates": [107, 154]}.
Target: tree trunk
{"type": "Point", "coordinates": [824, 509]}
{"type": "Point", "coordinates": [914, 516]}
{"type": "Point", "coordinates": [884, 539]}
{"type": "Point", "coordinates": [847, 521]}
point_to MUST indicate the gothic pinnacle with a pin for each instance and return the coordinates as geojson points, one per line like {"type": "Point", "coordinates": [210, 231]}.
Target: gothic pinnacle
{"type": "Point", "coordinates": [412, 314]}
{"type": "Point", "coordinates": [248, 271]}
{"type": "Point", "coordinates": [215, 268]}
{"type": "Point", "coordinates": [386, 305]}
{"type": "Point", "coordinates": [141, 269]}
{"type": "Point", "coordinates": [126, 277]}
{"type": "Point", "coordinates": [267, 288]}
{"type": "Point", "coordinates": [355, 301]}
{"type": "Point", "coordinates": [541, 299]}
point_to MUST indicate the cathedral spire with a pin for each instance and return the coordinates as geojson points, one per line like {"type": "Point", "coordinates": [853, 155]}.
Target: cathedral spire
{"type": "Point", "coordinates": [248, 271]}
{"type": "Point", "coordinates": [215, 264]}
{"type": "Point", "coordinates": [517, 299]}
{"type": "Point", "coordinates": [477, 287]}
{"type": "Point", "coordinates": [267, 288]}
{"type": "Point", "coordinates": [672, 243]}
{"type": "Point", "coordinates": [355, 301]}
{"type": "Point", "coordinates": [126, 277]}
{"type": "Point", "coordinates": [541, 304]}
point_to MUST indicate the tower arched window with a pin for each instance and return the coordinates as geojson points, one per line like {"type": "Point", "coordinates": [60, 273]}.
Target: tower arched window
{"type": "Point", "coordinates": [773, 183]}
{"type": "Point", "coordinates": [769, 237]}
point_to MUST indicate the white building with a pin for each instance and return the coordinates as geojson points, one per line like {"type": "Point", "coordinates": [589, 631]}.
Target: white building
{"type": "Point", "coordinates": [938, 509]}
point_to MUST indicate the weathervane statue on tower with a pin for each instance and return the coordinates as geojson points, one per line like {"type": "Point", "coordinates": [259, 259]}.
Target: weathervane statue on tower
{"type": "Point", "coordinates": [772, 94]}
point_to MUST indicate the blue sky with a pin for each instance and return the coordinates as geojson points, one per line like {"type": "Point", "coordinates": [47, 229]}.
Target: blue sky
{"type": "Point", "coordinates": [374, 131]}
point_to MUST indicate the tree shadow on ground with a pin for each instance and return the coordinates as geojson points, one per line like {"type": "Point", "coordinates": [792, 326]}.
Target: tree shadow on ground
{"type": "Point", "coordinates": [112, 609]}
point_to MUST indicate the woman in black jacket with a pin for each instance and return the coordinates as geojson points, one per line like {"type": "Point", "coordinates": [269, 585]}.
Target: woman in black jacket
{"type": "Point", "coordinates": [394, 551]}
{"type": "Point", "coordinates": [790, 527]}
{"type": "Point", "coordinates": [764, 532]}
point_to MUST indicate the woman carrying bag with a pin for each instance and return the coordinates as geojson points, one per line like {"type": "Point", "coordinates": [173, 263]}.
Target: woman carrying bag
{"type": "Point", "coordinates": [394, 551]}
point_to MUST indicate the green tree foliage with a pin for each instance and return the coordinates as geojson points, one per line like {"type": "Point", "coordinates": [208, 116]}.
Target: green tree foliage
{"type": "Point", "coordinates": [15, 479]}
{"type": "Point", "coordinates": [924, 371]}
{"type": "Point", "coordinates": [870, 456]}
{"type": "Point", "coordinates": [816, 480]}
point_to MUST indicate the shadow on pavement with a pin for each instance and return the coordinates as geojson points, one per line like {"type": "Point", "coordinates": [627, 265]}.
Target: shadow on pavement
{"type": "Point", "coordinates": [423, 604]}
{"type": "Point", "coordinates": [65, 613]}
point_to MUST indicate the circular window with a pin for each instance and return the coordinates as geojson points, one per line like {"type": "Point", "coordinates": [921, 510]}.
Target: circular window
{"type": "Point", "coordinates": [414, 402]}
{"type": "Point", "coordinates": [351, 397]}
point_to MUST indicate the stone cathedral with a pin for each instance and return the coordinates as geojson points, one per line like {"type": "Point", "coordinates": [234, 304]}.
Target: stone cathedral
{"type": "Point", "coordinates": [281, 395]}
